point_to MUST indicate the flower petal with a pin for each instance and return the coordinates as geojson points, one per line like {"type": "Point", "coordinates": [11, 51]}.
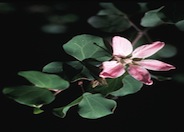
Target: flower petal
{"type": "Point", "coordinates": [140, 74]}
{"type": "Point", "coordinates": [147, 50]}
{"type": "Point", "coordinates": [155, 65]}
{"type": "Point", "coordinates": [112, 69]}
{"type": "Point", "coordinates": [121, 46]}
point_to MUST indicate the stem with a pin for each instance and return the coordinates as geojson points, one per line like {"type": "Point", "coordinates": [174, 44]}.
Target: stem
{"type": "Point", "coordinates": [133, 25]}
{"type": "Point", "coordinates": [139, 35]}
{"type": "Point", "coordinates": [80, 83]}
{"type": "Point", "coordinates": [57, 92]}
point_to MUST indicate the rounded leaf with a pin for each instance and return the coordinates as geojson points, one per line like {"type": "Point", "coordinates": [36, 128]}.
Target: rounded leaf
{"type": "Point", "coordinates": [43, 80]}
{"type": "Point", "coordinates": [130, 86]}
{"type": "Point", "coordinates": [29, 95]}
{"type": "Point", "coordinates": [95, 106]}
{"type": "Point", "coordinates": [153, 18]}
{"type": "Point", "coordinates": [87, 46]}
{"type": "Point", "coordinates": [53, 67]}
{"type": "Point", "coordinates": [180, 25]}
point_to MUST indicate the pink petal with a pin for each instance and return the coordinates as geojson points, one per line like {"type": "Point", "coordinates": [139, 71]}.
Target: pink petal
{"type": "Point", "coordinates": [155, 65]}
{"type": "Point", "coordinates": [112, 69]}
{"type": "Point", "coordinates": [121, 46]}
{"type": "Point", "coordinates": [147, 50]}
{"type": "Point", "coordinates": [140, 73]}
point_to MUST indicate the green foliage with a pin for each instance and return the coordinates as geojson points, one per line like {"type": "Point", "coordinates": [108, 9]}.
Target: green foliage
{"type": "Point", "coordinates": [44, 80]}
{"type": "Point", "coordinates": [37, 110]}
{"type": "Point", "coordinates": [93, 106]}
{"type": "Point", "coordinates": [180, 25]}
{"type": "Point", "coordinates": [89, 51]}
{"type": "Point", "coordinates": [130, 86]}
{"type": "Point", "coordinates": [110, 19]}
{"type": "Point", "coordinates": [112, 85]}
{"type": "Point", "coordinates": [87, 46]}
{"type": "Point", "coordinates": [167, 51]}
{"type": "Point", "coordinates": [61, 112]}
{"type": "Point", "coordinates": [53, 67]}
{"type": "Point", "coordinates": [153, 18]}
{"type": "Point", "coordinates": [143, 6]}
{"type": "Point", "coordinates": [29, 95]}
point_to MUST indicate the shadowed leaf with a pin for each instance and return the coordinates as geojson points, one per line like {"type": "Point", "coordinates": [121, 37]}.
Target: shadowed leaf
{"type": "Point", "coordinates": [61, 112]}
{"type": "Point", "coordinates": [180, 25]}
{"type": "Point", "coordinates": [130, 86]}
{"type": "Point", "coordinates": [29, 95]}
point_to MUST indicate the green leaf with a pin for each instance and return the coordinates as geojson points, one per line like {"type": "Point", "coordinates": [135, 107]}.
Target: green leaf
{"type": "Point", "coordinates": [53, 67]}
{"type": "Point", "coordinates": [77, 65]}
{"type": "Point", "coordinates": [95, 106]}
{"type": "Point", "coordinates": [85, 73]}
{"type": "Point", "coordinates": [143, 6]}
{"type": "Point", "coordinates": [153, 18]}
{"type": "Point", "coordinates": [29, 95]}
{"type": "Point", "coordinates": [161, 78]}
{"type": "Point", "coordinates": [61, 112]}
{"type": "Point", "coordinates": [37, 110]}
{"type": "Point", "coordinates": [43, 80]}
{"type": "Point", "coordinates": [87, 46]}
{"type": "Point", "coordinates": [109, 8]}
{"type": "Point", "coordinates": [54, 28]}
{"type": "Point", "coordinates": [179, 77]}
{"type": "Point", "coordinates": [110, 19]}
{"type": "Point", "coordinates": [112, 85]}
{"type": "Point", "coordinates": [167, 51]}
{"type": "Point", "coordinates": [130, 86]}
{"type": "Point", "coordinates": [180, 25]}
{"type": "Point", "coordinates": [109, 23]}
{"type": "Point", "coordinates": [78, 71]}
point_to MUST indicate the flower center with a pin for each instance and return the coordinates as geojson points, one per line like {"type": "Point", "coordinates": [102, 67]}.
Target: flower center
{"type": "Point", "coordinates": [126, 61]}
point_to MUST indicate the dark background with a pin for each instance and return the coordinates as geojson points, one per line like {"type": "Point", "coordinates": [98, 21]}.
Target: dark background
{"type": "Point", "coordinates": [24, 46]}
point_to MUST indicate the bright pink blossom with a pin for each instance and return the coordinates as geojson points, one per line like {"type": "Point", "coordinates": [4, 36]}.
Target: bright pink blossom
{"type": "Point", "coordinates": [134, 62]}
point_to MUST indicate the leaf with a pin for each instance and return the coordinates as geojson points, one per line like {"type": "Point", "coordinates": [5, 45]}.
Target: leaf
{"type": "Point", "coordinates": [109, 23]}
{"type": "Point", "coordinates": [95, 106]}
{"type": "Point", "coordinates": [93, 67]}
{"type": "Point", "coordinates": [143, 6]}
{"type": "Point", "coordinates": [110, 19]}
{"type": "Point", "coordinates": [130, 86]}
{"type": "Point", "coordinates": [43, 80]}
{"type": "Point", "coordinates": [53, 67]}
{"type": "Point", "coordinates": [179, 77]}
{"type": "Point", "coordinates": [180, 25]}
{"type": "Point", "coordinates": [37, 110]}
{"type": "Point", "coordinates": [167, 51]}
{"type": "Point", "coordinates": [109, 8]}
{"type": "Point", "coordinates": [61, 112]}
{"type": "Point", "coordinates": [29, 95]}
{"type": "Point", "coordinates": [78, 71]}
{"type": "Point", "coordinates": [112, 85]}
{"type": "Point", "coordinates": [63, 19]}
{"type": "Point", "coordinates": [161, 78]}
{"type": "Point", "coordinates": [153, 18]}
{"type": "Point", "coordinates": [85, 73]}
{"type": "Point", "coordinates": [54, 28]}
{"type": "Point", "coordinates": [87, 46]}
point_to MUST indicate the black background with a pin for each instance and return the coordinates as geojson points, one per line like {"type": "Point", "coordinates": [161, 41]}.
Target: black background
{"type": "Point", "coordinates": [156, 108]}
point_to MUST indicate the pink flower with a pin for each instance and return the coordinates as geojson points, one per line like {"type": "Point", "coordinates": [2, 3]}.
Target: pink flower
{"type": "Point", "coordinates": [134, 62]}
